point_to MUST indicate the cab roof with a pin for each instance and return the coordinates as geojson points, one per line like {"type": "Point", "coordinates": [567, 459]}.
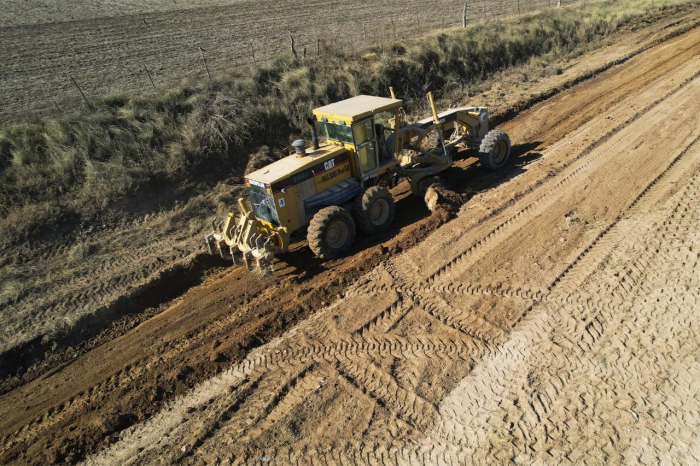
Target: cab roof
{"type": "Point", "coordinates": [355, 108]}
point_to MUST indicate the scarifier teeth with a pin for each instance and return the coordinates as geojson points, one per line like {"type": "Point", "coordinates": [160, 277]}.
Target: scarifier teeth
{"type": "Point", "coordinates": [265, 264]}
{"type": "Point", "coordinates": [246, 258]}
{"type": "Point", "coordinates": [209, 240]}
{"type": "Point", "coordinates": [219, 225]}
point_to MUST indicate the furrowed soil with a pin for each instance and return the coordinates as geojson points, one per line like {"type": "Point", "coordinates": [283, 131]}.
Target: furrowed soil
{"type": "Point", "coordinates": [553, 317]}
{"type": "Point", "coordinates": [107, 45]}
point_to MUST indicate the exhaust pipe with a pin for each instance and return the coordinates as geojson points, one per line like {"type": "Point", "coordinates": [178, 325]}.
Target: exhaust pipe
{"type": "Point", "coordinates": [314, 139]}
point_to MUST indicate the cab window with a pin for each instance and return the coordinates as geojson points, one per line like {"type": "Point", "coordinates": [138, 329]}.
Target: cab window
{"type": "Point", "coordinates": [385, 128]}
{"type": "Point", "coordinates": [364, 142]}
{"type": "Point", "coordinates": [333, 132]}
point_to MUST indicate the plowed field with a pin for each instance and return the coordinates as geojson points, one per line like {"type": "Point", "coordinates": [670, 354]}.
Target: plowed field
{"type": "Point", "coordinates": [555, 319]}
{"type": "Point", "coordinates": [105, 44]}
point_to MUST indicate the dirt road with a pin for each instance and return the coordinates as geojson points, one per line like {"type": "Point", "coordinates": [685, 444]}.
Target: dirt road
{"type": "Point", "coordinates": [555, 318]}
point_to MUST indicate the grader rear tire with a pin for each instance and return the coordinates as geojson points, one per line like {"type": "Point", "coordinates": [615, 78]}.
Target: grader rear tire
{"type": "Point", "coordinates": [374, 210]}
{"type": "Point", "coordinates": [494, 150]}
{"type": "Point", "coordinates": [331, 232]}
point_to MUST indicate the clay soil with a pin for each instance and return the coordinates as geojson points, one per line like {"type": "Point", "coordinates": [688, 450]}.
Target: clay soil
{"type": "Point", "coordinates": [553, 317]}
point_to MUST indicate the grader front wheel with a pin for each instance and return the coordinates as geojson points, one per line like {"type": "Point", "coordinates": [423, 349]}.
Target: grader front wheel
{"type": "Point", "coordinates": [494, 150]}
{"type": "Point", "coordinates": [331, 232]}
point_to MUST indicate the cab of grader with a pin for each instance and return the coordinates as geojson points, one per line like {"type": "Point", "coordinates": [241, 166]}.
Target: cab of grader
{"type": "Point", "coordinates": [333, 189]}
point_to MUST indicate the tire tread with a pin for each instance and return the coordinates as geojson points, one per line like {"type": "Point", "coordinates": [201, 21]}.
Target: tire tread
{"type": "Point", "coordinates": [317, 227]}
{"type": "Point", "coordinates": [487, 146]}
{"type": "Point", "coordinates": [364, 202]}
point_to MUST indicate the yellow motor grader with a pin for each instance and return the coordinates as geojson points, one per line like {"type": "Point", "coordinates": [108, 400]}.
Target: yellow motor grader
{"type": "Point", "coordinates": [332, 189]}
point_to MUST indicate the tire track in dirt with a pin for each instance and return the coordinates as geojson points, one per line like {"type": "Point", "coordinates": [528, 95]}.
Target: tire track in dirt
{"type": "Point", "coordinates": [386, 363]}
{"type": "Point", "coordinates": [589, 327]}
{"type": "Point", "coordinates": [508, 397]}
{"type": "Point", "coordinates": [478, 249]}
{"type": "Point", "coordinates": [386, 319]}
{"type": "Point", "coordinates": [543, 408]}
{"type": "Point", "coordinates": [583, 332]}
{"type": "Point", "coordinates": [613, 235]}
{"type": "Point", "coordinates": [583, 326]}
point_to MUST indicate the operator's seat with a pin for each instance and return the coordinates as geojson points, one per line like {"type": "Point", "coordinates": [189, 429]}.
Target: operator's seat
{"type": "Point", "coordinates": [386, 144]}
{"type": "Point", "coordinates": [389, 146]}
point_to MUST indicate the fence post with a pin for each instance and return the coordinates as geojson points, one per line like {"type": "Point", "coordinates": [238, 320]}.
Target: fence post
{"type": "Point", "coordinates": [149, 76]}
{"type": "Point", "coordinates": [294, 52]}
{"type": "Point", "coordinates": [204, 60]}
{"type": "Point", "coordinates": [252, 51]}
{"type": "Point", "coordinates": [464, 15]}
{"type": "Point", "coordinates": [364, 32]}
{"type": "Point", "coordinates": [318, 47]}
{"type": "Point", "coordinates": [87, 102]}
{"type": "Point", "coordinates": [558, 3]}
